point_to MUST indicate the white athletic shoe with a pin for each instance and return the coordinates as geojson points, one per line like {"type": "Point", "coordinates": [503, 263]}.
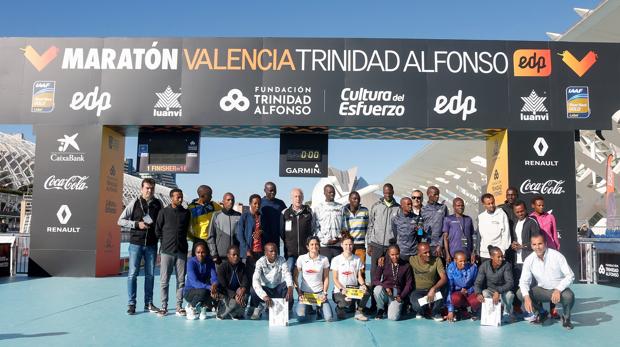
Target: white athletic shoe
{"type": "Point", "coordinates": [191, 313]}
{"type": "Point", "coordinates": [203, 313]}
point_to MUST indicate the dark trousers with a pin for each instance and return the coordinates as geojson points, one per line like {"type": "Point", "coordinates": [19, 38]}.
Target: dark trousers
{"type": "Point", "coordinates": [250, 264]}
{"type": "Point", "coordinates": [377, 252]}
{"type": "Point", "coordinates": [277, 292]}
{"type": "Point", "coordinates": [437, 305]}
{"type": "Point", "coordinates": [200, 296]}
{"type": "Point", "coordinates": [516, 275]}
{"type": "Point", "coordinates": [540, 295]}
{"type": "Point", "coordinates": [330, 252]}
{"type": "Point", "coordinates": [342, 303]}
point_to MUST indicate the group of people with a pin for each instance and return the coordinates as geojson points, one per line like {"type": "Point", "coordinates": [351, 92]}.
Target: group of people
{"type": "Point", "coordinates": [424, 261]}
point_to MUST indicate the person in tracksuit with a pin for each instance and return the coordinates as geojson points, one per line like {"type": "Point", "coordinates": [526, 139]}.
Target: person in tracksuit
{"type": "Point", "coordinates": [223, 230]}
{"type": "Point", "coordinates": [380, 228]}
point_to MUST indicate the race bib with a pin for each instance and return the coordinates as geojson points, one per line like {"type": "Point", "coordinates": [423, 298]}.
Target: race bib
{"type": "Point", "coordinates": [288, 225]}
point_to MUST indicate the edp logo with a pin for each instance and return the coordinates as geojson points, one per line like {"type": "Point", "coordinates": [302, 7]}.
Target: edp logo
{"type": "Point", "coordinates": [91, 100]}
{"type": "Point", "coordinates": [456, 105]}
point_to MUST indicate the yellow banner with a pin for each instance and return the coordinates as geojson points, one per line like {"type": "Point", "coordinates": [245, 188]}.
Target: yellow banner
{"type": "Point", "coordinates": [497, 166]}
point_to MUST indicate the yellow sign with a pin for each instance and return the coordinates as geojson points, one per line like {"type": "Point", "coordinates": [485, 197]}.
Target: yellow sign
{"type": "Point", "coordinates": [497, 166]}
{"type": "Point", "coordinates": [311, 299]}
{"type": "Point", "coordinates": [354, 293]}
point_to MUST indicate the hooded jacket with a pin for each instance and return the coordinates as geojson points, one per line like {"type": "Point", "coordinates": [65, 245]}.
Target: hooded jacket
{"type": "Point", "coordinates": [223, 232]}
{"type": "Point", "coordinates": [380, 222]}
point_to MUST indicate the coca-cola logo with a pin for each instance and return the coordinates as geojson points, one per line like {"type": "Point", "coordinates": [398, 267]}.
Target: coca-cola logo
{"type": "Point", "coordinates": [71, 183]}
{"type": "Point", "coordinates": [550, 187]}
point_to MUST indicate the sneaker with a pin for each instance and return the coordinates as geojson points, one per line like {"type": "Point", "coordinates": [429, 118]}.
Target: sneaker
{"type": "Point", "coordinates": [163, 312]}
{"type": "Point", "coordinates": [508, 318]}
{"type": "Point", "coordinates": [181, 312]}
{"type": "Point", "coordinates": [203, 313]}
{"type": "Point", "coordinates": [131, 310]}
{"type": "Point", "coordinates": [566, 323]}
{"type": "Point", "coordinates": [359, 315]}
{"type": "Point", "coordinates": [151, 308]}
{"type": "Point", "coordinates": [437, 318]}
{"type": "Point", "coordinates": [232, 317]}
{"type": "Point", "coordinates": [191, 313]}
{"type": "Point", "coordinates": [529, 317]}
{"type": "Point", "coordinates": [380, 314]}
{"type": "Point", "coordinates": [540, 318]}
{"type": "Point", "coordinates": [340, 313]}
{"type": "Point", "coordinates": [256, 314]}
{"type": "Point", "coordinates": [418, 315]}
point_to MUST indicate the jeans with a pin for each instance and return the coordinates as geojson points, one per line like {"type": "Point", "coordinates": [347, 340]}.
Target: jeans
{"type": "Point", "coordinates": [325, 307]}
{"type": "Point", "coordinates": [228, 306]}
{"type": "Point", "coordinates": [507, 299]}
{"type": "Point", "coordinates": [382, 298]}
{"type": "Point", "coordinates": [136, 253]}
{"type": "Point", "coordinates": [168, 263]}
{"type": "Point", "coordinates": [540, 295]}
{"type": "Point", "coordinates": [290, 262]}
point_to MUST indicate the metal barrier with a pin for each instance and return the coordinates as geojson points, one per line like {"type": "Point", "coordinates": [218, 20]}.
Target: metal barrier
{"type": "Point", "coordinates": [22, 253]}
{"type": "Point", "coordinates": [587, 257]}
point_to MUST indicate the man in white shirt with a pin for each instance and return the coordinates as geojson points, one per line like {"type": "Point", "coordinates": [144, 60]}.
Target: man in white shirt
{"type": "Point", "coordinates": [493, 228]}
{"type": "Point", "coordinates": [327, 218]}
{"type": "Point", "coordinates": [271, 279]}
{"type": "Point", "coordinates": [553, 276]}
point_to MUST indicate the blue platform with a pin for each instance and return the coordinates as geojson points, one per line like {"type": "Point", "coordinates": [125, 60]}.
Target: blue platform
{"type": "Point", "coordinates": [91, 312]}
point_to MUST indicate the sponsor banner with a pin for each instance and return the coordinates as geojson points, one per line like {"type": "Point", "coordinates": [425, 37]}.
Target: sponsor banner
{"type": "Point", "coordinates": [497, 166]}
{"type": "Point", "coordinates": [543, 164]}
{"type": "Point", "coordinates": [65, 198]}
{"type": "Point", "coordinates": [110, 202]}
{"type": "Point", "coordinates": [608, 270]}
{"type": "Point", "coordinates": [365, 82]}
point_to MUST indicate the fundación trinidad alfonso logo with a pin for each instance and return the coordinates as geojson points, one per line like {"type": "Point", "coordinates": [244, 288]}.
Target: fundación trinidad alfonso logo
{"type": "Point", "coordinates": [580, 67]}
{"type": "Point", "coordinates": [234, 100]}
{"type": "Point", "coordinates": [40, 61]}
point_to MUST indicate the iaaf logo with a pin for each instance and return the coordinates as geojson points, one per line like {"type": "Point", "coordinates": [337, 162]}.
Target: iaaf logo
{"type": "Point", "coordinates": [91, 100]}
{"type": "Point", "coordinates": [577, 102]}
{"type": "Point", "coordinates": [168, 104]}
{"type": "Point", "coordinates": [62, 155]}
{"type": "Point", "coordinates": [71, 183]}
{"type": "Point", "coordinates": [366, 102]}
{"type": "Point", "coordinates": [43, 93]}
{"type": "Point", "coordinates": [534, 107]}
{"type": "Point", "coordinates": [456, 105]}
{"type": "Point", "coordinates": [550, 187]}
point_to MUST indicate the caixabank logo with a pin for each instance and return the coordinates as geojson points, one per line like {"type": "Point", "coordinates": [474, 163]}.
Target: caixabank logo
{"type": "Point", "coordinates": [532, 62]}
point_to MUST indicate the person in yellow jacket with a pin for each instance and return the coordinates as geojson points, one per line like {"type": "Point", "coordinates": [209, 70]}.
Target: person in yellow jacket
{"type": "Point", "coordinates": [202, 210]}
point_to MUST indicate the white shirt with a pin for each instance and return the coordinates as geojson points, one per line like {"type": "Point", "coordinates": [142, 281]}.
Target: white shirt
{"type": "Point", "coordinates": [270, 275]}
{"type": "Point", "coordinates": [519, 231]}
{"type": "Point", "coordinates": [347, 270]}
{"type": "Point", "coordinates": [312, 272]}
{"type": "Point", "coordinates": [493, 229]}
{"type": "Point", "coordinates": [327, 217]}
{"type": "Point", "coordinates": [552, 272]}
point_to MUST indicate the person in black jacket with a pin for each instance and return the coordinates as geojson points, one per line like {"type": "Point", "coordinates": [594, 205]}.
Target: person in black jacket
{"type": "Point", "coordinates": [171, 228]}
{"type": "Point", "coordinates": [140, 216]}
{"type": "Point", "coordinates": [234, 285]}
{"type": "Point", "coordinates": [494, 281]}
{"type": "Point", "coordinates": [522, 231]}
{"type": "Point", "coordinates": [296, 227]}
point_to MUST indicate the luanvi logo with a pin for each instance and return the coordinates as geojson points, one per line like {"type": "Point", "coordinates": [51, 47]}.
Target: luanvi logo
{"type": "Point", "coordinates": [456, 105]}
{"type": "Point", "coordinates": [168, 104]}
{"type": "Point", "coordinates": [532, 62]}
{"type": "Point", "coordinates": [534, 108]}
{"type": "Point", "coordinates": [91, 100]}
{"type": "Point", "coordinates": [40, 61]}
{"type": "Point", "coordinates": [580, 67]}
{"type": "Point", "coordinates": [234, 100]}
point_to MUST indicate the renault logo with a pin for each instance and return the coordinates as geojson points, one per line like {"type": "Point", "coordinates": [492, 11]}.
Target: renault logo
{"type": "Point", "coordinates": [541, 147]}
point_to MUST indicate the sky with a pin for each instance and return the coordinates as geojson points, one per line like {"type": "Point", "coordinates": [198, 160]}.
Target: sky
{"type": "Point", "coordinates": [243, 165]}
